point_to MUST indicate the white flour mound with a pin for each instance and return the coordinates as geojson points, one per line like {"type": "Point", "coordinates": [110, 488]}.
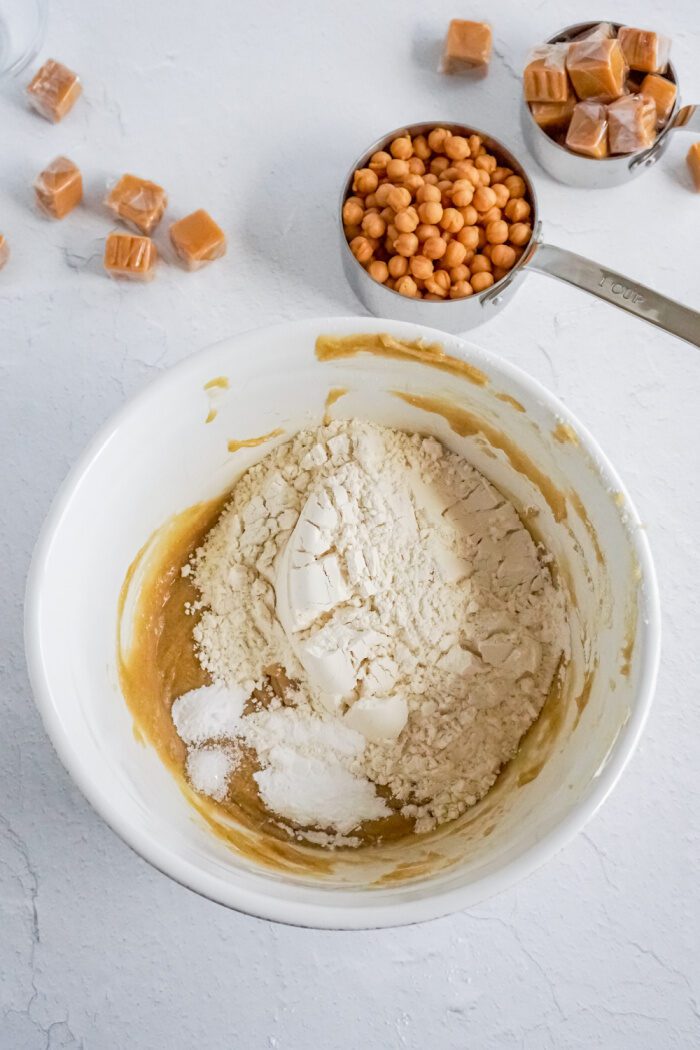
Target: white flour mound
{"type": "Point", "coordinates": [408, 605]}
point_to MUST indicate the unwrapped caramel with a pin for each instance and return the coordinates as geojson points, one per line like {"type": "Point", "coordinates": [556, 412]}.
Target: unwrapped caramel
{"type": "Point", "coordinates": [554, 116]}
{"type": "Point", "coordinates": [4, 251]}
{"type": "Point", "coordinates": [644, 50]}
{"type": "Point", "coordinates": [54, 90]}
{"type": "Point", "coordinates": [545, 78]}
{"type": "Point", "coordinates": [597, 69]}
{"type": "Point", "coordinates": [59, 188]}
{"type": "Point", "coordinates": [693, 160]}
{"type": "Point", "coordinates": [663, 92]}
{"type": "Point", "coordinates": [137, 202]}
{"type": "Point", "coordinates": [197, 239]}
{"type": "Point", "coordinates": [631, 123]}
{"type": "Point", "coordinates": [467, 47]}
{"type": "Point", "coordinates": [588, 130]}
{"type": "Point", "coordinates": [131, 256]}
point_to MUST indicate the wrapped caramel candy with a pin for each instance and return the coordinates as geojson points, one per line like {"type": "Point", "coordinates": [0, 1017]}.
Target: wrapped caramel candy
{"type": "Point", "coordinates": [693, 160]}
{"type": "Point", "coordinates": [545, 79]}
{"type": "Point", "coordinates": [197, 239]}
{"type": "Point", "coordinates": [130, 256]}
{"type": "Point", "coordinates": [54, 90]}
{"type": "Point", "coordinates": [467, 47]}
{"type": "Point", "coordinates": [663, 92]}
{"type": "Point", "coordinates": [588, 130]}
{"type": "Point", "coordinates": [597, 69]}
{"type": "Point", "coordinates": [137, 202]}
{"type": "Point", "coordinates": [644, 49]}
{"type": "Point", "coordinates": [4, 251]}
{"type": "Point", "coordinates": [631, 123]}
{"type": "Point", "coordinates": [59, 188]}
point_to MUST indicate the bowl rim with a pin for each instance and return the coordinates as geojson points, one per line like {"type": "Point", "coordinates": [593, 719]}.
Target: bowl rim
{"type": "Point", "coordinates": [374, 912]}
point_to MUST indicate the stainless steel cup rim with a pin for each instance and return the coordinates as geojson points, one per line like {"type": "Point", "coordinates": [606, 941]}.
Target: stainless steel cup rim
{"type": "Point", "coordinates": [502, 153]}
{"type": "Point", "coordinates": [630, 159]}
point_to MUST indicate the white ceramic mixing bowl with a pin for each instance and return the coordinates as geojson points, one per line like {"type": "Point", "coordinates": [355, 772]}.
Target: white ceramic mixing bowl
{"type": "Point", "coordinates": [157, 456]}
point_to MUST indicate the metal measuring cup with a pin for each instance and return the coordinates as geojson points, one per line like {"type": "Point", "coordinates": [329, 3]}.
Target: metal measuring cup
{"type": "Point", "coordinates": [573, 169]}
{"type": "Point", "coordinates": [459, 315]}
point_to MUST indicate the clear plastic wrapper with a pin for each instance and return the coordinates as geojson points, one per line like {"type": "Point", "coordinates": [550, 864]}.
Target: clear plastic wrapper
{"type": "Point", "coordinates": [140, 204]}
{"type": "Point", "coordinates": [197, 239]}
{"type": "Point", "coordinates": [631, 124]}
{"type": "Point", "coordinates": [663, 92]}
{"type": "Point", "coordinates": [54, 90]}
{"type": "Point", "coordinates": [545, 78]}
{"type": "Point", "coordinates": [4, 251]}
{"type": "Point", "coordinates": [588, 130]}
{"type": "Point", "coordinates": [693, 161]}
{"type": "Point", "coordinates": [602, 31]}
{"type": "Point", "coordinates": [59, 188]}
{"type": "Point", "coordinates": [467, 47]}
{"type": "Point", "coordinates": [644, 49]}
{"type": "Point", "coordinates": [130, 256]}
{"type": "Point", "coordinates": [597, 69]}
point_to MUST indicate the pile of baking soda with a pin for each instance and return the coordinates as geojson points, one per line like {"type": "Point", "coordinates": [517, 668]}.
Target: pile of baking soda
{"type": "Point", "coordinates": [374, 615]}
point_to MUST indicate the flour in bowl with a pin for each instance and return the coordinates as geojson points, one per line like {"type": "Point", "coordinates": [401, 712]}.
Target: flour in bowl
{"type": "Point", "coordinates": [383, 625]}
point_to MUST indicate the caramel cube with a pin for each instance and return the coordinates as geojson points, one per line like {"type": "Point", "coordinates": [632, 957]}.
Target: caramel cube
{"type": "Point", "coordinates": [467, 46]}
{"type": "Point", "coordinates": [553, 116]}
{"type": "Point", "coordinates": [631, 123]}
{"type": "Point", "coordinates": [128, 255]}
{"type": "Point", "coordinates": [588, 130]}
{"type": "Point", "coordinates": [59, 188]}
{"type": "Point", "coordinates": [544, 78]}
{"type": "Point", "coordinates": [197, 239]}
{"type": "Point", "coordinates": [597, 69]}
{"type": "Point", "coordinates": [4, 251]}
{"type": "Point", "coordinates": [644, 49]}
{"type": "Point", "coordinates": [663, 92]}
{"type": "Point", "coordinates": [54, 90]}
{"type": "Point", "coordinates": [137, 202]}
{"type": "Point", "coordinates": [693, 160]}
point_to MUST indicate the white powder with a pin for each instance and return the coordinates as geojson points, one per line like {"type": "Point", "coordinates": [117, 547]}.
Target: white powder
{"type": "Point", "coordinates": [405, 599]}
{"type": "Point", "coordinates": [209, 769]}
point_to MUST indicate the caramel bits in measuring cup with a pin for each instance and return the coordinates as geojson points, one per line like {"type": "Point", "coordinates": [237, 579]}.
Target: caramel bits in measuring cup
{"type": "Point", "coordinates": [59, 188]}
{"type": "Point", "coordinates": [693, 161]}
{"type": "Point", "coordinates": [631, 123]}
{"type": "Point", "coordinates": [54, 90]}
{"type": "Point", "coordinates": [4, 251]}
{"type": "Point", "coordinates": [137, 202]}
{"type": "Point", "coordinates": [197, 239]}
{"type": "Point", "coordinates": [131, 256]}
{"type": "Point", "coordinates": [644, 50]}
{"type": "Point", "coordinates": [663, 92]}
{"type": "Point", "coordinates": [545, 78]}
{"type": "Point", "coordinates": [467, 47]}
{"type": "Point", "coordinates": [597, 69]}
{"type": "Point", "coordinates": [588, 131]}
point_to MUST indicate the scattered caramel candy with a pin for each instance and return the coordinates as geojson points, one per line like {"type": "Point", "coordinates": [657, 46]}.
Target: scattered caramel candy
{"type": "Point", "coordinates": [693, 160]}
{"type": "Point", "coordinates": [197, 239]}
{"type": "Point", "coordinates": [59, 188]}
{"type": "Point", "coordinates": [137, 202]}
{"type": "Point", "coordinates": [467, 47]}
{"type": "Point", "coordinates": [545, 78]}
{"type": "Point", "coordinates": [54, 90]}
{"type": "Point", "coordinates": [588, 130]}
{"type": "Point", "coordinates": [4, 251]}
{"type": "Point", "coordinates": [631, 123]}
{"type": "Point", "coordinates": [554, 116]}
{"type": "Point", "coordinates": [663, 92]}
{"type": "Point", "coordinates": [597, 69]}
{"type": "Point", "coordinates": [644, 49]}
{"type": "Point", "coordinates": [128, 255]}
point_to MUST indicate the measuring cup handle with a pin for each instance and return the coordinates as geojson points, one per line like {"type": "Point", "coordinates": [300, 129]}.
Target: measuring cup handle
{"type": "Point", "coordinates": [619, 291]}
{"type": "Point", "coordinates": [687, 118]}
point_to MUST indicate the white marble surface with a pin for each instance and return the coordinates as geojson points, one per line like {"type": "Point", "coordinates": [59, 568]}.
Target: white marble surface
{"type": "Point", "coordinates": [255, 111]}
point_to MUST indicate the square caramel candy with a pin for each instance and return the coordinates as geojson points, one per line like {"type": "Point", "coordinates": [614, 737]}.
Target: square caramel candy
{"type": "Point", "coordinates": [588, 130]}
{"type": "Point", "coordinates": [137, 202]}
{"type": "Point", "coordinates": [197, 239]}
{"type": "Point", "coordinates": [4, 251]}
{"type": "Point", "coordinates": [597, 69]}
{"type": "Point", "coordinates": [545, 78]}
{"type": "Point", "coordinates": [467, 47]}
{"type": "Point", "coordinates": [693, 160]}
{"type": "Point", "coordinates": [663, 92]}
{"type": "Point", "coordinates": [54, 90]}
{"type": "Point", "coordinates": [644, 50]}
{"type": "Point", "coordinates": [130, 255]}
{"type": "Point", "coordinates": [553, 116]}
{"type": "Point", "coordinates": [59, 188]}
{"type": "Point", "coordinates": [631, 123]}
